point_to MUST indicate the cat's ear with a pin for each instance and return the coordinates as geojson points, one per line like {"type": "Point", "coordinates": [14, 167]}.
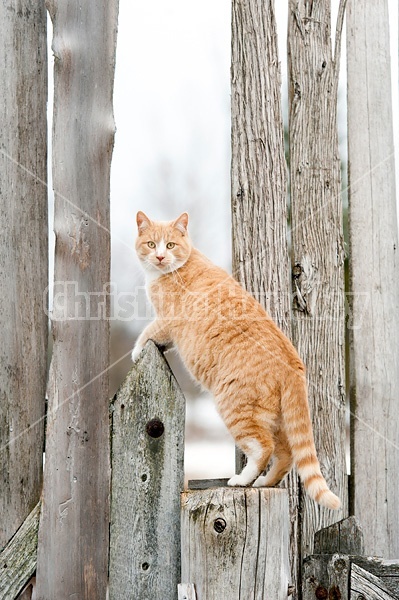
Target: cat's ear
{"type": "Point", "coordinates": [181, 223]}
{"type": "Point", "coordinates": [142, 221]}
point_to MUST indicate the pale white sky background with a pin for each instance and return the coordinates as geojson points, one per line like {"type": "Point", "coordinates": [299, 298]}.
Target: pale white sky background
{"type": "Point", "coordinates": [172, 146]}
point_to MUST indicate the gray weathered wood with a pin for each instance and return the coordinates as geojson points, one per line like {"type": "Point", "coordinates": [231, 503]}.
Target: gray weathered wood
{"type": "Point", "coordinates": [205, 484]}
{"type": "Point", "coordinates": [186, 591]}
{"type": "Point", "coordinates": [326, 576]}
{"type": "Point", "coordinates": [235, 543]}
{"type": "Point", "coordinates": [258, 168]}
{"type": "Point", "coordinates": [74, 527]}
{"type": "Point", "coordinates": [344, 537]}
{"type": "Point", "coordinates": [366, 585]}
{"type": "Point", "coordinates": [147, 478]}
{"type": "Point", "coordinates": [374, 281]}
{"type": "Point", "coordinates": [23, 258]}
{"type": "Point", "coordinates": [259, 180]}
{"type": "Point", "coordinates": [18, 558]}
{"type": "Point", "coordinates": [317, 242]}
{"type": "Point", "coordinates": [386, 570]}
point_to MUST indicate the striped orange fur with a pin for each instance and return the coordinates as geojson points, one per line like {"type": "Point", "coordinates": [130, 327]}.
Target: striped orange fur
{"type": "Point", "coordinates": [234, 349]}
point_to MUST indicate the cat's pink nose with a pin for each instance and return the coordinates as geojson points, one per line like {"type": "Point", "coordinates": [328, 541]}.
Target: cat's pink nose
{"type": "Point", "coordinates": [160, 258]}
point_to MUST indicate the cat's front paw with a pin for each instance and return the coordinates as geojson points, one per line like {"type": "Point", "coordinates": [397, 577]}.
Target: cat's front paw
{"type": "Point", "coordinates": [237, 481]}
{"type": "Point", "coordinates": [136, 352]}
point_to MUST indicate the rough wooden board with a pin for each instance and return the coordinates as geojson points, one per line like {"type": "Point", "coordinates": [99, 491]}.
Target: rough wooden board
{"type": "Point", "coordinates": [147, 478]}
{"type": "Point", "coordinates": [23, 258]}
{"type": "Point", "coordinates": [318, 244]}
{"type": "Point", "coordinates": [237, 540]}
{"type": "Point", "coordinates": [374, 282]}
{"type": "Point", "coordinates": [74, 525]}
{"type": "Point", "coordinates": [386, 570]}
{"type": "Point", "coordinates": [366, 585]}
{"type": "Point", "coordinates": [326, 576]}
{"type": "Point", "coordinates": [344, 537]}
{"type": "Point", "coordinates": [205, 484]}
{"type": "Point", "coordinates": [186, 591]}
{"type": "Point", "coordinates": [18, 558]}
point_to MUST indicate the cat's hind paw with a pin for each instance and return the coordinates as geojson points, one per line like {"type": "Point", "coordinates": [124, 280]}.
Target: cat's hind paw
{"type": "Point", "coordinates": [260, 482]}
{"type": "Point", "coordinates": [238, 481]}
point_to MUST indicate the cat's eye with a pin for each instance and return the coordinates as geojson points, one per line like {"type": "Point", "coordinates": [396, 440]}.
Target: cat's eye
{"type": "Point", "coordinates": [151, 244]}
{"type": "Point", "coordinates": [170, 245]}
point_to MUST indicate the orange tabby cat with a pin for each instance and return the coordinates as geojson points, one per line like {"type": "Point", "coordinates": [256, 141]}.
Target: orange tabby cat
{"type": "Point", "coordinates": [234, 349]}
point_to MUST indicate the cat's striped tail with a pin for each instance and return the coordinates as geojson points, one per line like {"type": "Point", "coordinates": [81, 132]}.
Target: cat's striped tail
{"type": "Point", "coordinates": [298, 427]}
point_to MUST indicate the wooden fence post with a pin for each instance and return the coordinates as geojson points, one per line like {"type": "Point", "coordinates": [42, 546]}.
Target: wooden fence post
{"type": "Point", "coordinates": [374, 282]}
{"type": "Point", "coordinates": [74, 524]}
{"type": "Point", "coordinates": [235, 543]}
{"type": "Point", "coordinates": [318, 243]}
{"type": "Point", "coordinates": [147, 444]}
{"type": "Point", "coordinates": [23, 258]}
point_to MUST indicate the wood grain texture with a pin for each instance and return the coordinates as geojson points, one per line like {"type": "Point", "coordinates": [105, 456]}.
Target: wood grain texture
{"type": "Point", "coordinates": [237, 540]}
{"type": "Point", "coordinates": [366, 585]}
{"type": "Point", "coordinates": [147, 478]}
{"type": "Point", "coordinates": [318, 245]}
{"type": "Point", "coordinates": [18, 558]}
{"type": "Point", "coordinates": [74, 528]}
{"type": "Point", "coordinates": [23, 258]}
{"type": "Point", "coordinates": [387, 571]}
{"type": "Point", "coordinates": [374, 282]}
{"type": "Point", "coordinates": [258, 168]}
{"type": "Point", "coordinates": [344, 537]}
{"type": "Point", "coordinates": [326, 576]}
{"type": "Point", "coordinates": [259, 180]}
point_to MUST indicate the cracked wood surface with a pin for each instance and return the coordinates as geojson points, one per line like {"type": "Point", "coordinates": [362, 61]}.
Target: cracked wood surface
{"type": "Point", "coordinates": [74, 526]}
{"type": "Point", "coordinates": [317, 243]}
{"type": "Point", "coordinates": [374, 282]}
{"type": "Point", "coordinates": [235, 543]}
{"type": "Point", "coordinates": [18, 558]}
{"type": "Point", "coordinates": [23, 258]}
{"type": "Point", "coordinates": [148, 415]}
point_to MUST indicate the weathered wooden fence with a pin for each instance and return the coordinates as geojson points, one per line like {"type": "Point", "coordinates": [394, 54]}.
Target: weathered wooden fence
{"type": "Point", "coordinates": [230, 539]}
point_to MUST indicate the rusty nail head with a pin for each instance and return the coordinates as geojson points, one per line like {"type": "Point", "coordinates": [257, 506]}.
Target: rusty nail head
{"type": "Point", "coordinates": [155, 428]}
{"type": "Point", "coordinates": [219, 525]}
{"type": "Point", "coordinates": [321, 593]}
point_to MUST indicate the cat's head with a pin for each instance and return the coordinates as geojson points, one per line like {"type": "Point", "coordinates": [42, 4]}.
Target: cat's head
{"type": "Point", "coordinates": [162, 246]}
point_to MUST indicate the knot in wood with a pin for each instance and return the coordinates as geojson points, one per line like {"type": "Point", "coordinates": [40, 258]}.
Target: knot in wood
{"type": "Point", "coordinates": [297, 270]}
{"type": "Point", "coordinates": [335, 593]}
{"type": "Point", "coordinates": [155, 428]}
{"type": "Point", "coordinates": [321, 593]}
{"type": "Point", "coordinates": [219, 525]}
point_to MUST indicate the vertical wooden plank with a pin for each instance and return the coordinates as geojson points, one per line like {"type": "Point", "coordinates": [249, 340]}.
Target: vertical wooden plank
{"type": "Point", "coordinates": [258, 167]}
{"type": "Point", "coordinates": [259, 180]}
{"type": "Point", "coordinates": [236, 540]}
{"type": "Point", "coordinates": [317, 243]}
{"type": "Point", "coordinates": [148, 416]}
{"type": "Point", "coordinates": [74, 527]}
{"type": "Point", "coordinates": [374, 282]}
{"type": "Point", "coordinates": [23, 258]}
